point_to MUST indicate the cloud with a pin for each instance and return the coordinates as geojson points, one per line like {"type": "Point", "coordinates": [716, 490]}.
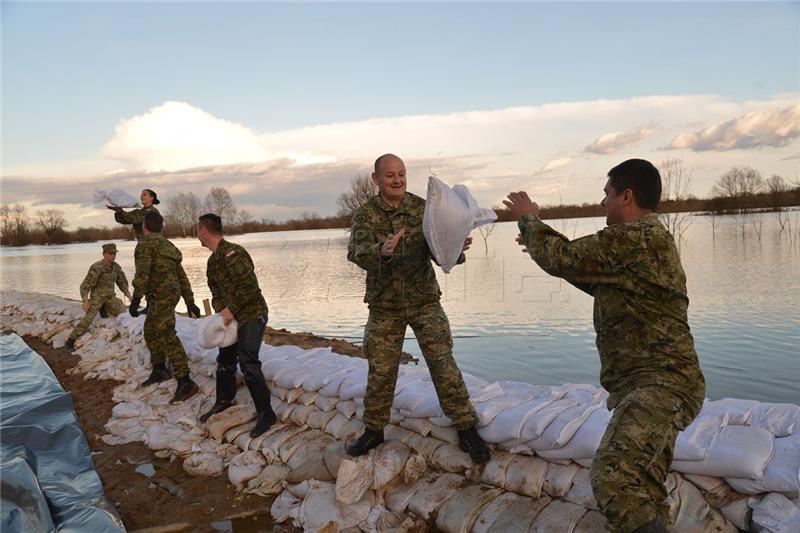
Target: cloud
{"type": "Point", "coordinates": [613, 142]}
{"type": "Point", "coordinates": [176, 135]}
{"type": "Point", "coordinates": [555, 164]}
{"type": "Point", "coordinates": [767, 127]}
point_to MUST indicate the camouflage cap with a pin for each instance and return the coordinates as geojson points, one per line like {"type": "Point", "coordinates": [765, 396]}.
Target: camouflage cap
{"type": "Point", "coordinates": [110, 248]}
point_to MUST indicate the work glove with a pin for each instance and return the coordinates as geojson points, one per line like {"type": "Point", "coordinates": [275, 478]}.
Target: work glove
{"type": "Point", "coordinates": [194, 311]}
{"type": "Point", "coordinates": [133, 309]}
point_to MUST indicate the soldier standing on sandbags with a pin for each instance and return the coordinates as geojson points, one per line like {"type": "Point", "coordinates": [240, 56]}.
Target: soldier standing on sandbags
{"type": "Point", "coordinates": [235, 294]}
{"type": "Point", "coordinates": [136, 216]}
{"type": "Point", "coordinates": [97, 292]}
{"type": "Point", "coordinates": [648, 363]}
{"type": "Point", "coordinates": [160, 277]}
{"type": "Point", "coordinates": [387, 241]}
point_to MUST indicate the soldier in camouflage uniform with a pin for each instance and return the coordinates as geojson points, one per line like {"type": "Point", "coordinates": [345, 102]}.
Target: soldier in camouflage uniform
{"type": "Point", "coordinates": [160, 277]}
{"type": "Point", "coordinates": [387, 241]}
{"type": "Point", "coordinates": [648, 363]}
{"type": "Point", "coordinates": [235, 294]}
{"type": "Point", "coordinates": [136, 216]}
{"type": "Point", "coordinates": [97, 292]}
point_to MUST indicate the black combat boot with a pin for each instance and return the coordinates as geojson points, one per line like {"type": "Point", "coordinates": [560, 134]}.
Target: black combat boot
{"type": "Point", "coordinates": [654, 526]}
{"type": "Point", "coordinates": [70, 344]}
{"type": "Point", "coordinates": [261, 398]}
{"type": "Point", "coordinates": [368, 440]}
{"type": "Point", "coordinates": [103, 312]}
{"type": "Point", "coordinates": [226, 390]}
{"type": "Point", "coordinates": [186, 389]}
{"type": "Point", "coordinates": [159, 374]}
{"type": "Point", "coordinates": [472, 443]}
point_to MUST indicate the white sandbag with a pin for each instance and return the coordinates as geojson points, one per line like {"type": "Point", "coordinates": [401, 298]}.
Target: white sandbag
{"type": "Point", "coordinates": [781, 419]}
{"type": "Point", "coordinates": [284, 507]}
{"type": "Point", "coordinates": [319, 419]}
{"type": "Point", "coordinates": [389, 460]}
{"type": "Point", "coordinates": [245, 467]}
{"type": "Point", "coordinates": [519, 515]}
{"type": "Point", "coordinates": [115, 197]}
{"type": "Point", "coordinates": [508, 424]}
{"type": "Point", "coordinates": [161, 436]}
{"type": "Point", "coordinates": [450, 458]}
{"type": "Point", "coordinates": [738, 451]}
{"type": "Point", "coordinates": [326, 403]}
{"type": "Point", "coordinates": [738, 513]}
{"type": "Point", "coordinates": [269, 481]}
{"type": "Point", "coordinates": [414, 468]}
{"type": "Point", "coordinates": [219, 423]}
{"type": "Point", "coordinates": [525, 475]}
{"type": "Point", "coordinates": [429, 497]}
{"type": "Point", "coordinates": [213, 333]}
{"type": "Point", "coordinates": [418, 425]}
{"type": "Point", "coordinates": [585, 441]}
{"type": "Point", "coordinates": [460, 511]}
{"type": "Point", "coordinates": [782, 473]}
{"type": "Point", "coordinates": [694, 441]}
{"type": "Point", "coordinates": [776, 514]}
{"type": "Point", "coordinates": [493, 511]}
{"type": "Point", "coordinates": [494, 473]}
{"type": "Point", "coordinates": [690, 512]}
{"type": "Point", "coordinates": [347, 408]}
{"type": "Point", "coordinates": [353, 388]}
{"type": "Point", "coordinates": [563, 427]}
{"type": "Point", "coordinates": [581, 490]}
{"type": "Point", "coordinates": [559, 516]}
{"type": "Point", "coordinates": [354, 478]}
{"type": "Point", "coordinates": [558, 479]}
{"type": "Point", "coordinates": [734, 412]}
{"type": "Point", "coordinates": [499, 397]}
{"type": "Point", "coordinates": [450, 215]}
{"type": "Point", "coordinates": [203, 464]}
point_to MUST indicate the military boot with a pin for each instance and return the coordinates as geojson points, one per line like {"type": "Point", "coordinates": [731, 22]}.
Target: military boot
{"type": "Point", "coordinates": [472, 443]}
{"type": "Point", "coordinates": [159, 374]}
{"type": "Point", "coordinates": [70, 344]}
{"type": "Point", "coordinates": [261, 398]}
{"type": "Point", "coordinates": [103, 312]}
{"type": "Point", "coordinates": [226, 390]}
{"type": "Point", "coordinates": [654, 526]}
{"type": "Point", "coordinates": [186, 389]}
{"type": "Point", "coordinates": [368, 440]}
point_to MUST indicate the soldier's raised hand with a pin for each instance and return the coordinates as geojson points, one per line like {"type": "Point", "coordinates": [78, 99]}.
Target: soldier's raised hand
{"type": "Point", "coordinates": [391, 242]}
{"type": "Point", "coordinates": [520, 204]}
{"type": "Point", "coordinates": [467, 244]}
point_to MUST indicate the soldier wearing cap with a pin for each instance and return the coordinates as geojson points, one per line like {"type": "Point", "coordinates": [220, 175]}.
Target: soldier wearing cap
{"type": "Point", "coordinates": [387, 241]}
{"type": "Point", "coordinates": [97, 292]}
{"type": "Point", "coordinates": [160, 277]}
{"type": "Point", "coordinates": [136, 217]}
{"type": "Point", "coordinates": [648, 363]}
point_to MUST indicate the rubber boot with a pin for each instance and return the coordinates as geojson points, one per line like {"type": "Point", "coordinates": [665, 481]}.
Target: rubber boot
{"type": "Point", "coordinates": [368, 440]}
{"type": "Point", "coordinates": [261, 398]}
{"type": "Point", "coordinates": [226, 391]}
{"type": "Point", "coordinates": [472, 443]}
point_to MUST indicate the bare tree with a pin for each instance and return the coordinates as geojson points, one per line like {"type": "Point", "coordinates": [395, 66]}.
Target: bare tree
{"type": "Point", "coordinates": [776, 188]}
{"type": "Point", "coordinates": [486, 230]}
{"type": "Point", "coordinates": [19, 224]}
{"type": "Point", "coordinates": [739, 183]}
{"type": "Point", "coordinates": [6, 224]}
{"type": "Point", "coordinates": [51, 222]}
{"type": "Point", "coordinates": [362, 188]}
{"type": "Point", "coordinates": [182, 212]}
{"type": "Point", "coordinates": [219, 202]}
{"type": "Point", "coordinates": [676, 181]}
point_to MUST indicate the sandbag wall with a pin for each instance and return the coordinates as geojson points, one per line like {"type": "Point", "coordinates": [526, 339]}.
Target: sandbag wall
{"type": "Point", "coordinates": [544, 438]}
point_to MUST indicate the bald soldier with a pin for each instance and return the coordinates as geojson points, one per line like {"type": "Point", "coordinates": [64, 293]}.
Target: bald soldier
{"type": "Point", "coordinates": [648, 363]}
{"type": "Point", "coordinates": [386, 240]}
{"type": "Point", "coordinates": [97, 292]}
{"type": "Point", "coordinates": [160, 277]}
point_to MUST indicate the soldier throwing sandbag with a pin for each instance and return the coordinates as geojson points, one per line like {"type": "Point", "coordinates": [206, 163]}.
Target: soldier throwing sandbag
{"type": "Point", "coordinates": [97, 292]}
{"type": "Point", "coordinates": [386, 240]}
{"type": "Point", "coordinates": [160, 277]}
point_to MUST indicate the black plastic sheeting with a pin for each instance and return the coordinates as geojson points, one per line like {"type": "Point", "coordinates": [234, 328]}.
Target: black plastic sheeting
{"type": "Point", "coordinates": [47, 476]}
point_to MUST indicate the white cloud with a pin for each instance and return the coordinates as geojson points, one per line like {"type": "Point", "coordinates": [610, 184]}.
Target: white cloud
{"type": "Point", "coordinates": [765, 127]}
{"type": "Point", "coordinates": [613, 142]}
{"type": "Point", "coordinates": [555, 164]}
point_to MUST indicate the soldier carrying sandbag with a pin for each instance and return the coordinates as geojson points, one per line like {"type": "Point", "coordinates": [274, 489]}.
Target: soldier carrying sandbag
{"type": "Point", "coordinates": [135, 217]}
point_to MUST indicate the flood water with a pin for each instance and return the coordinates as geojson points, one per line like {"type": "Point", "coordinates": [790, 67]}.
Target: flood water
{"type": "Point", "coordinates": [510, 320]}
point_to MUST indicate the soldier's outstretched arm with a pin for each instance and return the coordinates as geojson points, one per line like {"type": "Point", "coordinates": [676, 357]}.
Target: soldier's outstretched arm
{"type": "Point", "coordinates": [598, 258]}
{"type": "Point", "coordinates": [143, 258]}
{"type": "Point", "coordinates": [89, 282]}
{"type": "Point", "coordinates": [363, 248]}
{"type": "Point", "coordinates": [130, 217]}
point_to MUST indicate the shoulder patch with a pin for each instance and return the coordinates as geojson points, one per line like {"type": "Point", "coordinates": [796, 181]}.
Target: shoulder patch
{"type": "Point", "coordinates": [230, 253]}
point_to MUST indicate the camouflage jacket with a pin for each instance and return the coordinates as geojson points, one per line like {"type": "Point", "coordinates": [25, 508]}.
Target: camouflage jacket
{"type": "Point", "coordinates": [634, 272]}
{"type": "Point", "coordinates": [232, 280]}
{"type": "Point", "coordinates": [135, 217]}
{"type": "Point", "coordinates": [101, 278]}
{"type": "Point", "coordinates": [159, 273]}
{"type": "Point", "coordinates": [407, 278]}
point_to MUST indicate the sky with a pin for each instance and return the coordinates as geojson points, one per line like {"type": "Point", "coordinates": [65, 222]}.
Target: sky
{"type": "Point", "coordinates": [283, 103]}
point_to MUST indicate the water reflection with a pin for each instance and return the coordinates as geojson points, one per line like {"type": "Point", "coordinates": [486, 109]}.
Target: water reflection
{"type": "Point", "coordinates": [510, 319]}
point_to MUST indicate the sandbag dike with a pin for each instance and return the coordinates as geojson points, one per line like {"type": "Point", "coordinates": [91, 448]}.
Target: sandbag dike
{"type": "Point", "coordinates": [736, 466]}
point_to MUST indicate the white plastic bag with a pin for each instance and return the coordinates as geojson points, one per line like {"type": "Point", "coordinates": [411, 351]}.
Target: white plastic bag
{"type": "Point", "coordinates": [450, 214]}
{"type": "Point", "coordinates": [115, 197]}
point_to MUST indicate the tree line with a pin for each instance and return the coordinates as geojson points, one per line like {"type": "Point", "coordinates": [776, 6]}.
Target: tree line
{"type": "Point", "coordinates": [740, 190]}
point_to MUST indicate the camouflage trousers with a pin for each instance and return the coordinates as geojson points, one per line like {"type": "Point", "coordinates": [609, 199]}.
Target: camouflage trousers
{"type": "Point", "coordinates": [160, 336]}
{"type": "Point", "coordinates": [383, 344]}
{"type": "Point", "coordinates": [110, 303]}
{"type": "Point", "coordinates": [634, 456]}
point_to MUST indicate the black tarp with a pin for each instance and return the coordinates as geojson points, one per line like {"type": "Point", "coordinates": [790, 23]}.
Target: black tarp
{"type": "Point", "coordinates": [47, 478]}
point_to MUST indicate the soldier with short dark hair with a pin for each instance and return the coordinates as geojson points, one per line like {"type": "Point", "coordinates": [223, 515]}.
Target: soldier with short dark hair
{"type": "Point", "coordinates": [235, 294]}
{"type": "Point", "coordinates": [97, 292]}
{"type": "Point", "coordinates": [648, 362]}
{"type": "Point", "coordinates": [387, 241]}
{"type": "Point", "coordinates": [160, 277]}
